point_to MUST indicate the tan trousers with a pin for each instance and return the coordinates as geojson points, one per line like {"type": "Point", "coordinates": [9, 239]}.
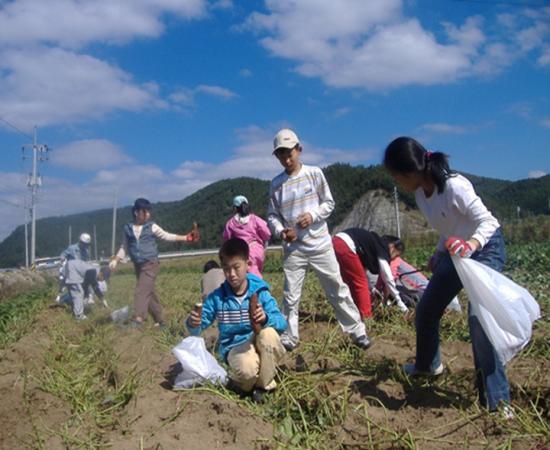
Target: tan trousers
{"type": "Point", "coordinates": [254, 363]}
{"type": "Point", "coordinates": [145, 298]}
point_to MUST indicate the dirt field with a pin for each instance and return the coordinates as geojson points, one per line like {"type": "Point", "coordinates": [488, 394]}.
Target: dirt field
{"type": "Point", "coordinates": [100, 385]}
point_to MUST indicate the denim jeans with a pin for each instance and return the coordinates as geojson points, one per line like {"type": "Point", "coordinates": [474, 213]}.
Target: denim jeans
{"type": "Point", "coordinates": [445, 284]}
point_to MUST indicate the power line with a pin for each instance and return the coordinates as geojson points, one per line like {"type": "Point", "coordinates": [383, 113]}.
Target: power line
{"type": "Point", "coordinates": [7, 202]}
{"type": "Point", "coordinates": [15, 128]}
{"type": "Point", "coordinates": [541, 4]}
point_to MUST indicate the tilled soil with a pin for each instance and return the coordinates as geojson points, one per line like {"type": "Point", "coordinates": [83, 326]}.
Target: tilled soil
{"type": "Point", "coordinates": [380, 407]}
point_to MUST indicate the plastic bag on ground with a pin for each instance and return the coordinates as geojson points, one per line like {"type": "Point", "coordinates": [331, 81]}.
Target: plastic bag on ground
{"type": "Point", "coordinates": [199, 366]}
{"type": "Point", "coordinates": [454, 305]}
{"type": "Point", "coordinates": [120, 315]}
{"type": "Point", "coordinates": [505, 310]}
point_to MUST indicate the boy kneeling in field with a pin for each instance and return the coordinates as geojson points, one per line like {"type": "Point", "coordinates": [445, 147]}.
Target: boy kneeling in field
{"type": "Point", "coordinates": [249, 322]}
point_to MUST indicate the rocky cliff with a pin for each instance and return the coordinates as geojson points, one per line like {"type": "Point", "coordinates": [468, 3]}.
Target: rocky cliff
{"type": "Point", "coordinates": [375, 211]}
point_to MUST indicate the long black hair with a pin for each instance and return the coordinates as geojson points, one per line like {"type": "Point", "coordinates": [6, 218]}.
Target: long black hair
{"type": "Point", "coordinates": [397, 243]}
{"type": "Point", "coordinates": [243, 209]}
{"type": "Point", "coordinates": [406, 155]}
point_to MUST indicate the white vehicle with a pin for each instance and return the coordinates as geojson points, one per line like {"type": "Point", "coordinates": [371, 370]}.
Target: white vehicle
{"type": "Point", "coordinates": [47, 263]}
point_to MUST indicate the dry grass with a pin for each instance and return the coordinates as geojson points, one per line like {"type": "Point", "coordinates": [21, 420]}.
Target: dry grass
{"type": "Point", "coordinates": [330, 395]}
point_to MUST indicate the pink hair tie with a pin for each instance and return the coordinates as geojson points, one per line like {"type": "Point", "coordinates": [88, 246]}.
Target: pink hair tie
{"type": "Point", "coordinates": [428, 155]}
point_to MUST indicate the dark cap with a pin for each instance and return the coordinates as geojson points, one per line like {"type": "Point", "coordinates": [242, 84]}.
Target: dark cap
{"type": "Point", "coordinates": [142, 203]}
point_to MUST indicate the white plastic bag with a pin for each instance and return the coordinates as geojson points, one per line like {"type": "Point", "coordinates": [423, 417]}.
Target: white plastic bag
{"type": "Point", "coordinates": [505, 310]}
{"type": "Point", "coordinates": [454, 305]}
{"type": "Point", "coordinates": [198, 364]}
{"type": "Point", "coordinates": [120, 315]}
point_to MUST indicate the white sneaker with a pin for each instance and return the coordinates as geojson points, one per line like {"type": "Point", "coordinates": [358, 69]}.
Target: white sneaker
{"type": "Point", "coordinates": [82, 317]}
{"type": "Point", "coordinates": [58, 299]}
{"type": "Point", "coordinates": [411, 371]}
{"type": "Point", "coordinates": [505, 412]}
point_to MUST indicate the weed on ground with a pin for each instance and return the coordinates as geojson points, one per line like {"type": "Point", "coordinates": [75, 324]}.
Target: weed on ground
{"type": "Point", "coordinates": [104, 385]}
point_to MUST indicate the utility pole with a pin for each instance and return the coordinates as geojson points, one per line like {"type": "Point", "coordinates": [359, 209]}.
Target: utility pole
{"type": "Point", "coordinates": [95, 243]}
{"type": "Point", "coordinates": [26, 236]}
{"type": "Point", "coordinates": [70, 234]}
{"type": "Point", "coordinates": [114, 222]}
{"type": "Point", "coordinates": [39, 154]}
{"type": "Point", "coordinates": [396, 205]}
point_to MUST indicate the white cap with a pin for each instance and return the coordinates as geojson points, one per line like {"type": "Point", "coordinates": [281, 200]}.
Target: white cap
{"type": "Point", "coordinates": [285, 138]}
{"type": "Point", "coordinates": [85, 238]}
{"type": "Point", "coordinates": [239, 200]}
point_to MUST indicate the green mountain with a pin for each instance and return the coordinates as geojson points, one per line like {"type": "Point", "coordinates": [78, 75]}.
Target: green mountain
{"type": "Point", "coordinates": [211, 207]}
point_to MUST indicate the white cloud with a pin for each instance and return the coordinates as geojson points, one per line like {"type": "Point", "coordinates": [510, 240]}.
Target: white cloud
{"type": "Point", "coordinates": [12, 201]}
{"type": "Point", "coordinates": [536, 174]}
{"type": "Point", "coordinates": [544, 59]}
{"type": "Point", "coordinates": [45, 79]}
{"type": "Point", "coordinates": [183, 98]}
{"type": "Point", "coordinates": [545, 122]}
{"type": "Point", "coordinates": [373, 45]}
{"type": "Point", "coordinates": [216, 91]}
{"type": "Point", "coordinates": [58, 196]}
{"type": "Point", "coordinates": [89, 155]}
{"type": "Point", "coordinates": [223, 4]}
{"type": "Point", "coordinates": [341, 112]}
{"type": "Point", "coordinates": [521, 109]}
{"type": "Point", "coordinates": [444, 128]}
{"type": "Point", "coordinates": [245, 73]}
{"type": "Point", "coordinates": [46, 86]}
{"type": "Point", "coordinates": [252, 157]}
{"type": "Point", "coordinates": [75, 23]}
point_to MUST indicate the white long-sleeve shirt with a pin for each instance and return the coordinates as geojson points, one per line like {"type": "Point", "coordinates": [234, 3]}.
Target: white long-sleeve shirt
{"type": "Point", "coordinates": [292, 196]}
{"type": "Point", "coordinates": [157, 231]}
{"type": "Point", "coordinates": [457, 211]}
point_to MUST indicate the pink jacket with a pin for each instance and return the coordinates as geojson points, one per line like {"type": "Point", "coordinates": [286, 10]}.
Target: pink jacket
{"type": "Point", "coordinates": [415, 280]}
{"type": "Point", "coordinates": [255, 230]}
{"type": "Point", "coordinates": [256, 233]}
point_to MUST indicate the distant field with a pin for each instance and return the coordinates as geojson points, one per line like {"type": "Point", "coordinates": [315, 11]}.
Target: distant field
{"type": "Point", "coordinates": [99, 385]}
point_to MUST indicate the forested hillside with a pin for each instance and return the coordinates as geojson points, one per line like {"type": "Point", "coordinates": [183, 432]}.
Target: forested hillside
{"type": "Point", "coordinates": [211, 207]}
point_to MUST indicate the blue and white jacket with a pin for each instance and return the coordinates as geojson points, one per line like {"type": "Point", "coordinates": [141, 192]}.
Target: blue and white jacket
{"type": "Point", "coordinates": [233, 318]}
{"type": "Point", "coordinates": [75, 251]}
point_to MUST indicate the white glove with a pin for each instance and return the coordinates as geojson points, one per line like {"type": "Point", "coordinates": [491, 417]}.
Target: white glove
{"type": "Point", "coordinates": [105, 304]}
{"type": "Point", "coordinates": [113, 263]}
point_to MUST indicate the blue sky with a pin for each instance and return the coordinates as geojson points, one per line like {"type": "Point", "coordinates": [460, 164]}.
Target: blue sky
{"type": "Point", "coordinates": [159, 98]}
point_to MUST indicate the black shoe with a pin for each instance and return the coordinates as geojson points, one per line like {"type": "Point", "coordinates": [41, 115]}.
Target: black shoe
{"type": "Point", "coordinates": [233, 386]}
{"type": "Point", "coordinates": [289, 346]}
{"type": "Point", "coordinates": [258, 395]}
{"type": "Point", "coordinates": [363, 342]}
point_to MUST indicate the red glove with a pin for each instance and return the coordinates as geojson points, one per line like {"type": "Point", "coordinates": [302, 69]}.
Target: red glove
{"type": "Point", "coordinates": [458, 246]}
{"type": "Point", "coordinates": [194, 235]}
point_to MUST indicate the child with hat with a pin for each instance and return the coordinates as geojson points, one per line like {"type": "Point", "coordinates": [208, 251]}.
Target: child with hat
{"type": "Point", "coordinates": [300, 202]}
{"type": "Point", "coordinates": [139, 241]}
{"type": "Point", "coordinates": [252, 229]}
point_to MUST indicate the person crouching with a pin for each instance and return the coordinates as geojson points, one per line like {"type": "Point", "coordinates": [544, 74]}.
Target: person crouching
{"type": "Point", "coordinates": [80, 276]}
{"type": "Point", "coordinates": [249, 342]}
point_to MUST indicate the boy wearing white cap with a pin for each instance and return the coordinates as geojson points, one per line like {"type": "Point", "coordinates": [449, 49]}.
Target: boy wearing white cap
{"type": "Point", "coordinates": [300, 201]}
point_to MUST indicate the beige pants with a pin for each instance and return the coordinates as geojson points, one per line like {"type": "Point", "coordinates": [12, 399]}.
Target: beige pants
{"type": "Point", "coordinates": [145, 298]}
{"type": "Point", "coordinates": [254, 363]}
